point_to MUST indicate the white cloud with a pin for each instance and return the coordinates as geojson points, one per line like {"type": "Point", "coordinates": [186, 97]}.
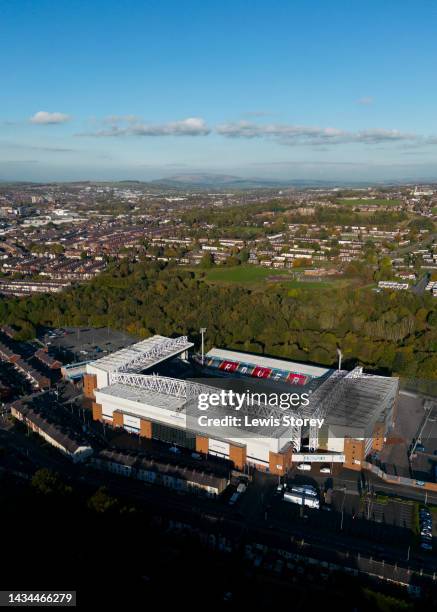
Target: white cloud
{"type": "Point", "coordinates": [46, 118]}
{"type": "Point", "coordinates": [381, 135]}
{"type": "Point", "coordinates": [300, 134]}
{"type": "Point", "coordinates": [283, 133]}
{"type": "Point", "coordinates": [193, 126]}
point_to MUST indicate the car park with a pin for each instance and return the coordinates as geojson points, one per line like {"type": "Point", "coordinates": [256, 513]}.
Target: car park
{"type": "Point", "coordinates": [425, 527]}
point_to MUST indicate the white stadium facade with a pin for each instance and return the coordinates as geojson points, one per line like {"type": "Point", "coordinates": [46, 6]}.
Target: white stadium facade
{"type": "Point", "coordinates": [347, 417]}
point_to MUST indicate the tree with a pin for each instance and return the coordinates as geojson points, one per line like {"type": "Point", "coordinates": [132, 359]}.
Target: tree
{"type": "Point", "coordinates": [207, 260]}
{"type": "Point", "coordinates": [243, 255]}
{"type": "Point", "coordinates": [47, 482]}
{"type": "Point", "coordinates": [26, 332]}
{"type": "Point", "coordinates": [102, 502]}
{"type": "Point", "coordinates": [146, 298]}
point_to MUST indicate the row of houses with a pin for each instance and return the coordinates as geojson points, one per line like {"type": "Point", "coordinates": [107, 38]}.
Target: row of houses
{"type": "Point", "coordinates": [76, 447]}
{"type": "Point", "coordinates": [36, 379]}
{"type": "Point", "coordinates": [176, 477]}
{"type": "Point", "coordinates": [67, 442]}
{"type": "Point", "coordinates": [47, 360]}
{"type": "Point", "coordinates": [26, 287]}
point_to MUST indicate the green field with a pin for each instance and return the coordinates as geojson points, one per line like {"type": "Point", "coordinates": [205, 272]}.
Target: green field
{"type": "Point", "coordinates": [242, 274]}
{"type": "Point", "coordinates": [257, 275]}
{"type": "Point", "coordinates": [376, 202]}
{"type": "Point", "coordinates": [323, 284]}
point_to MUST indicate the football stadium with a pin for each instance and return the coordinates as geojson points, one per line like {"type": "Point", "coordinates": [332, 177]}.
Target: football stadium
{"type": "Point", "coordinates": [156, 388]}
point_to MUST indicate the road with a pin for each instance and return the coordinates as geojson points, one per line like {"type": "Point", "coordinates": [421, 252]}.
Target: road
{"type": "Point", "coordinates": [419, 287]}
{"type": "Point", "coordinates": [252, 514]}
{"type": "Point", "coordinates": [415, 246]}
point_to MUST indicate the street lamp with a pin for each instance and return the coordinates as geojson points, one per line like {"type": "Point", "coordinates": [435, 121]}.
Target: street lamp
{"type": "Point", "coordinates": [202, 333]}
{"type": "Point", "coordinates": [342, 508]}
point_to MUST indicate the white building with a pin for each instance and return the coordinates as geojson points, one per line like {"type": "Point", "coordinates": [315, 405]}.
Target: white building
{"type": "Point", "coordinates": [346, 417]}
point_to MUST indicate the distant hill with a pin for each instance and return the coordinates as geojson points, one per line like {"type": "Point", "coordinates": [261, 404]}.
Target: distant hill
{"type": "Point", "coordinates": [213, 181]}
{"type": "Point", "coordinates": [203, 181]}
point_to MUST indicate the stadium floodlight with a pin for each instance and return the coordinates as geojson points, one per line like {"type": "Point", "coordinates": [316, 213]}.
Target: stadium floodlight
{"type": "Point", "coordinates": [202, 333]}
{"type": "Point", "coordinates": [340, 356]}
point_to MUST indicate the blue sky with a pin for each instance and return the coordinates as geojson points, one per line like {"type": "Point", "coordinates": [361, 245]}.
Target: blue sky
{"type": "Point", "coordinates": [279, 89]}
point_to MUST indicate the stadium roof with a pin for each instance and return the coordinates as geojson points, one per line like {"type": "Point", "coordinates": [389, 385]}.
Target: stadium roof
{"type": "Point", "coordinates": [363, 401]}
{"type": "Point", "coordinates": [187, 409]}
{"type": "Point", "coordinates": [145, 396]}
{"type": "Point", "coordinates": [346, 399]}
{"type": "Point", "coordinates": [268, 362]}
{"type": "Point", "coordinates": [143, 355]}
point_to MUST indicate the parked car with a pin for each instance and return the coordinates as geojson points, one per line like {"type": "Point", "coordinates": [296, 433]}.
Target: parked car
{"type": "Point", "coordinates": [234, 498]}
{"type": "Point", "coordinates": [426, 532]}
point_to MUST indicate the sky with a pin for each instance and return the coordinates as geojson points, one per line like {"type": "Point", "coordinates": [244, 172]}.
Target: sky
{"type": "Point", "coordinates": [282, 89]}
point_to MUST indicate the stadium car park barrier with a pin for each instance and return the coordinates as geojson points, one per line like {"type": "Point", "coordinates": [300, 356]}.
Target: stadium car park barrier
{"type": "Point", "coordinates": [399, 480]}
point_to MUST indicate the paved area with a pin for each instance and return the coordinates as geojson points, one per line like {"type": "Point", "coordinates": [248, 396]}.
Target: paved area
{"type": "Point", "coordinates": [424, 457]}
{"type": "Point", "coordinates": [394, 456]}
{"type": "Point", "coordinates": [73, 344]}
